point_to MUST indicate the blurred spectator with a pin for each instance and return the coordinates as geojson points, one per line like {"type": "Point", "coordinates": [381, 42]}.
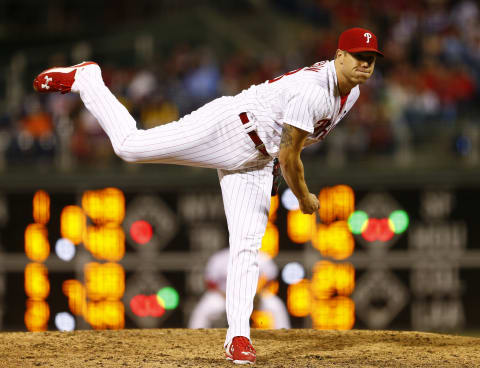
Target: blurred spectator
{"type": "Point", "coordinates": [427, 83]}
{"type": "Point", "coordinates": [268, 307]}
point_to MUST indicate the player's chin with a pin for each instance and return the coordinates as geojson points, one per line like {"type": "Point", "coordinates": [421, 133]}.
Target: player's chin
{"type": "Point", "coordinates": [363, 77]}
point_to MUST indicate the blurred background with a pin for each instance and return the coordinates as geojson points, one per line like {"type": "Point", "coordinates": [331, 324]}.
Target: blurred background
{"type": "Point", "coordinates": [88, 241]}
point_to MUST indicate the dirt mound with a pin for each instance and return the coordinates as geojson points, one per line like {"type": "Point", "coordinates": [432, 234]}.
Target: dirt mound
{"type": "Point", "coordinates": [203, 348]}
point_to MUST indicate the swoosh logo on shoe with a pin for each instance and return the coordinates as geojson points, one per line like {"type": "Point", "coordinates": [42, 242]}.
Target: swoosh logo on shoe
{"type": "Point", "coordinates": [246, 352]}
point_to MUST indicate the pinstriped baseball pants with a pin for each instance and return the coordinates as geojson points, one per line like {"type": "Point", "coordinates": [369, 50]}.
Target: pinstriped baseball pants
{"type": "Point", "coordinates": [212, 137]}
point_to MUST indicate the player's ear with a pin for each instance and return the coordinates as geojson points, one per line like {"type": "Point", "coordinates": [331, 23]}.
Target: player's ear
{"type": "Point", "coordinates": [338, 54]}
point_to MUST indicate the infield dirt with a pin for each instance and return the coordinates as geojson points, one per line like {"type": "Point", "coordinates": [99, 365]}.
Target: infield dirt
{"type": "Point", "coordinates": [203, 348]}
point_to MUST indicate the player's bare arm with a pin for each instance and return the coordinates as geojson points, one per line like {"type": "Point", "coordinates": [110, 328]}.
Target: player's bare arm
{"type": "Point", "coordinates": [291, 146]}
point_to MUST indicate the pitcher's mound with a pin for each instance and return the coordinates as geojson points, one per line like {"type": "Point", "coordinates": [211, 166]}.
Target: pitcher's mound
{"type": "Point", "coordinates": [204, 348]}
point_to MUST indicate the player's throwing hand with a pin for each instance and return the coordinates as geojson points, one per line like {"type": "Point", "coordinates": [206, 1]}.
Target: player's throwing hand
{"type": "Point", "coordinates": [309, 204]}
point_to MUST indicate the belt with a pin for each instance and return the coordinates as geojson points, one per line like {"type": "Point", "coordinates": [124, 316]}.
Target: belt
{"type": "Point", "coordinates": [250, 129]}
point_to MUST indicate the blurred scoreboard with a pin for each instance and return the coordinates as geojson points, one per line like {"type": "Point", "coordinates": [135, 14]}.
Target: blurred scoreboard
{"type": "Point", "coordinates": [107, 258]}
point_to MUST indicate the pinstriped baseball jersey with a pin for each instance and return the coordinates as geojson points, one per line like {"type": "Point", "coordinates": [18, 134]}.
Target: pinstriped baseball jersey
{"type": "Point", "coordinates": [306, 98]}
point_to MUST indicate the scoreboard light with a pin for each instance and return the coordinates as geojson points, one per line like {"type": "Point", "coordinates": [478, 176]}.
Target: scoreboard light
{"type": "Point", "coordinates": [168, 297]}
{"type": "Point", "coordinates": [141, 232]}
{"type": "Point", "coordinates": [65, 249]}
{"type": "Point", "coordinates": [330, 279]}
{"type": "Point", "coordinates": [292, 273]}
{"type": "Point", "coordinates": [334, 240]}
{"type": "Point", "coordinates": [398, 221]}
{"type": "Point", "coordinates": [105, 242]}
{"type": "Point", "coordinates": [64, 321]}
{"type": "Point", "coordinates": [378, 229]}
{"type": "Point", "coordinates": [36, 315]}
{"type": "Point", "coordinates": [41, 207]}
{"type": "Point", "coordinates": [104, 205]}
{"type": "Point", "coordinates": [37, 286]}
{"type": "Point", "coordinates": [333, 314]}
{"type": "Point", "coordinates": [300, 226]}
{"type": "Point", "coordinates": [357, 222]}
{"type": "Point", "coordinates": [263, 320]}
{"type": "Point", "coordinates": [336, 203]}
{"type": "Point", "coordinates": [270, 240]}
{"type": "Point", "coordinates": [272, 213]}
{"type": "Point", "coordinates": [299, 299]}
{"type": "Point", "coordinates": [104, 281]}
{"type": "Point", "coordinates": [271, 288]}
{"type": "Point", "coordinates": [289, 201]}
{"type": "Point", "coordinates": [72, 224]}
{"type": "Point", "coordinates": [37, 247]}
{"type": "Point", "coordinates": [77, 296]}
{"type": "Point", "coordinates": [383, 229]}
{"type": "Point", "coordinates": [107, 314]}
{"type": "Point", "coordinates": [146, 306]}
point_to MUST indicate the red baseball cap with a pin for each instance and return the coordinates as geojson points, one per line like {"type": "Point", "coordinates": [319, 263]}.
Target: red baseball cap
{"type": "Point", "coordinates": [358, 40]}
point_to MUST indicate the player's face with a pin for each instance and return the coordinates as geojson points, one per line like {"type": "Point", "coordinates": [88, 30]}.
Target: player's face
{"type": "Point", "coordinates": [358, 67]}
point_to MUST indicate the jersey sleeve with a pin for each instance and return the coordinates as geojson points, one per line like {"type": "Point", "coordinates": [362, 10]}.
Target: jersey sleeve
{"type": "Point", "coordinates": [306, 106]}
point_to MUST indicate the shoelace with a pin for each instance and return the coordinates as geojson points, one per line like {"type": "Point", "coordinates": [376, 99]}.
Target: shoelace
{"type": "Point", "coordinates": [244, 344]}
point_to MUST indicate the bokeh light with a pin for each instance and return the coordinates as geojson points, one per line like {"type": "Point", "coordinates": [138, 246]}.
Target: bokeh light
{"type": "Point", "coordinates": [289, 201]}
{"type": "Point", "coordinates": [357, 222]}
{"type": "Point", "coordinates": [337, 313]}
{"type": "Point", "coordinates": [272, 213]}
{"type": "Point", "coordinates": [65, 249]}
{"type": "Point", "coordinates": [292, 273]}
{"type": "Point", "coordinates": [263, 319]}
{"type": "Point", "coordinates": [106, 314]}
{"type": "Point", "coordinates": [270, 240]}
{"type": "Point", "coordinates": [169, 296]}
{"type": "Point", "coordinates": [330, 279]}
{"type": "Point", "coordinates": [378, 229]}
{"type": "Point", "coordinates": [64, 321]}
{"type": "Point", "coordinates": [336, 203]}
{"type": "Point", "coordinates": [105, 242]}
{"type": "Point", "coordinates": [399, 221]}
{"type": "Point", "coordinates": [37, 247]}
{"type": "Point", "coordinates": [104, 205]}
{"type": "Point", "coordinates": [146, 306]}
{"type": "Point", "coordinates": [72, 223]}
{"type": "Point", "coordinates": [77, 296]}
{"type": "Point", "coordinates": [104, 281]}
{"type": "Point", "coordinates": [37, 315]}
{"type": "Point", "coordinates": [37, 285]}
{"type": "Point", "coordinates": [334, 240]}
{"type": "Point", "coordinates": [299, 299]}
{"type": "Point", "coordinates": [300, 226]}
{"type": "Point", "coordinates": [41, 207]}
{"type": "Point", "coordinates": [141, 231]}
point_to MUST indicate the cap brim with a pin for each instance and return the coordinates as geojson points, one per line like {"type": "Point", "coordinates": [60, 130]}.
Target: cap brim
{"type": "Point", "coordinates": [364, 49]}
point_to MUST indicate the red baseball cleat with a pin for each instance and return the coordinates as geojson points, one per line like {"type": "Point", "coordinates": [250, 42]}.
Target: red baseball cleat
{"type": "Point", "coordinates": [58, 79]}
{"type": "Point", "coordinates": [240, 351]}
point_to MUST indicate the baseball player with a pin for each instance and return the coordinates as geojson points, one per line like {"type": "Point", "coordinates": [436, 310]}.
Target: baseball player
{"type": "Point", "coordinates": [239, 136]}
{"type": "Point", "coordinates": [211, 306]}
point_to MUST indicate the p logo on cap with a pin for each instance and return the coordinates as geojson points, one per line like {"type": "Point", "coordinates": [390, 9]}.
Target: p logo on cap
{"type": "Point", "coordinates": [368, 35]}
{"type": "Point", "coordinates": [358, 40]}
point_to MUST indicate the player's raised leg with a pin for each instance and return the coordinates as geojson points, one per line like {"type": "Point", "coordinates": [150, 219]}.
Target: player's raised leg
{"type": "Point", "coordinates": [246, 196]}
{"type": "Point", "coordinates": [213, 136]}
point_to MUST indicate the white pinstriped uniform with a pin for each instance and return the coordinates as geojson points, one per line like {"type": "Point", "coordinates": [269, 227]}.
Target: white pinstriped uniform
{"type": "Point", "coordinates": [214, 137]}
